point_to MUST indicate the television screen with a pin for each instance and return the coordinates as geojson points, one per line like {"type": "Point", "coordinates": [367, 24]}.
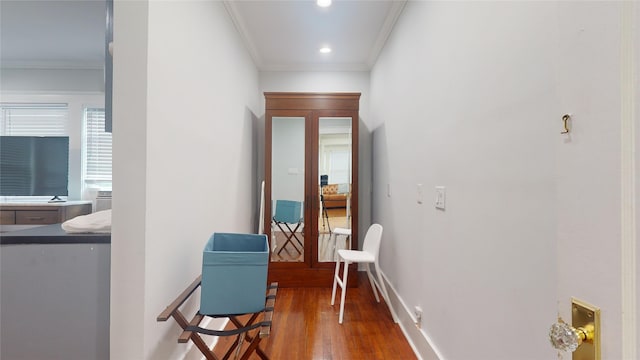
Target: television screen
{"type": "Point", "coordinates": [34, 165]}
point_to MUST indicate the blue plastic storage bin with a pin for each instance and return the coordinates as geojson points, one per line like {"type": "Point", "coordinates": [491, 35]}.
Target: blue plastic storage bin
{"type": "Point", "coordinates": [234, 274]}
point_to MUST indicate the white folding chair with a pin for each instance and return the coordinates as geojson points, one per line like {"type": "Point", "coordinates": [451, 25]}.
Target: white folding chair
{"type": "Point", "coordinates": [368, 255]}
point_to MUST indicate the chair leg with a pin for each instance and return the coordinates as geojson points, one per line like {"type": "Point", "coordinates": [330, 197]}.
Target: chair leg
{"type": "Point", "coordinates": [372, 282]}
{"type": "Point", "coordinates": [333, 239]}
{"type": "Point", "coordinates": [386, 295]}
{"type": "Point", "coordinates": [293, 233]}
{"type": "Point", "coordinates": [290, 236]}
{"type": "Point", "coordinates": [344, 290]}
{"type": "Point", "coordinates": [273, 239]}
{"type": "Point", "coordinates": [335, 281]}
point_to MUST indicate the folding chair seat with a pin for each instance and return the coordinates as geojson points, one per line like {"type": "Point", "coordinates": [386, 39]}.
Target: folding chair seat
{"type": "Point", "coordinates": [287, 214]}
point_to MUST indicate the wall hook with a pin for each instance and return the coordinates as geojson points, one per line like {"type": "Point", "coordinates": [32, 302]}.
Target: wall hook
{"type": "Point", "coordinates": [565, 123]}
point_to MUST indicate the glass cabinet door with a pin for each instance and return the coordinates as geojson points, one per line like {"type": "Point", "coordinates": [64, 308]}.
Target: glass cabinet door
{"type": "Point", "coordinates": [287, 189]}
{"type": "Point", "coordinates": [335, 168]}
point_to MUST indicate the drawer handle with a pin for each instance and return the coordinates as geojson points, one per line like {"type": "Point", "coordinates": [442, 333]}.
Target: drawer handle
{"type": "Point", "coordinates": [34, 218]}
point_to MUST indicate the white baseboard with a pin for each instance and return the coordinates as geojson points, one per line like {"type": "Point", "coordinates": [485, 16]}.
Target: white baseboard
{"type": "Point", "coordinates": [417, 338]}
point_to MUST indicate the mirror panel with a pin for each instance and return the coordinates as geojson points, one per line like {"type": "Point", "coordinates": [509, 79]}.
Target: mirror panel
{"type": "Point", "coordinates": [287, 189]}
{"type": "Point", "coordinates": [335, 165]}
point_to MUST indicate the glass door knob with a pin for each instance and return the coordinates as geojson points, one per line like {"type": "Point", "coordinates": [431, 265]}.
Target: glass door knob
{"type": "Point", "coordinates": [565, 337]}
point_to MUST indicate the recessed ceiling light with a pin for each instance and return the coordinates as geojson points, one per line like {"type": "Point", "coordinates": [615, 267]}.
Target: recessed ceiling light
{"type": "Point", "coordinates": [325, 49]}
{"type": "Point", "coordinates": [324, 3]}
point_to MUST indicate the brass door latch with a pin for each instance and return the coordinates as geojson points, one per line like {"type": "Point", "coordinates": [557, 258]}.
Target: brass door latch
{"type": "Point", "coordinates": [582, 338]}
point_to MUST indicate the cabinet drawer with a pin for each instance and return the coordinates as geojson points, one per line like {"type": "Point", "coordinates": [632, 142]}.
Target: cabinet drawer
{"type": "Point", "coordinates": [7, 217]}
{"type": "Point", "coordinates": [37, 217]}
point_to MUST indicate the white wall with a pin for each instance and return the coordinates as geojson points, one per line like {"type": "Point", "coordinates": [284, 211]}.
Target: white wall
{"type": "Point", "coordinates": [463, 96]}
{"type": "Point", "coordinates": [185, 95]}
{"type": "Point", "coordinates": [532, 216]}
{"type": "Point", "coordinates": [129, 180]}
{"type": "Point", "coordinates": [295, 81]}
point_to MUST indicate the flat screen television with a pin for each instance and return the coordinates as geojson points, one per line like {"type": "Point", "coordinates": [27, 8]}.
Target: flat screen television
{"type": "Point", "coordinates": [34, 166]}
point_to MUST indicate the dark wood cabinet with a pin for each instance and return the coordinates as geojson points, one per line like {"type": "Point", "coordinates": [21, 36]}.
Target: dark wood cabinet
{"type": "Point", "coordinates": [311, 151]}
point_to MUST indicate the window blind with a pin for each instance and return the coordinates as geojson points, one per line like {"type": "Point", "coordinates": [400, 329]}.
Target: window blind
{"type": "Point", "coordinates": [98, 148]}
{"type": "Point", "coordinates": [33, 119]}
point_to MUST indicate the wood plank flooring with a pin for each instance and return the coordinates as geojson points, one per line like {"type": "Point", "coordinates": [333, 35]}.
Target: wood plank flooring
{"type": "Point", "coordinates": [305, 327]}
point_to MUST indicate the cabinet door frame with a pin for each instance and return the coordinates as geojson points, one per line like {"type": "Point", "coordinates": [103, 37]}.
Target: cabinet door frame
{"type": "Point", "coordinates": [315, 175]}
{"type": "Point", "coordinates": [311, 106]}
{"type": "Point", "coordinates": [268, 210]}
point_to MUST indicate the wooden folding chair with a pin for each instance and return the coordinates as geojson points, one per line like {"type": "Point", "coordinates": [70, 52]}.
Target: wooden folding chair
{"type": "Point", "coordinates": [289, 212]}
{"type": "Point", "coordinates": [192, 330]}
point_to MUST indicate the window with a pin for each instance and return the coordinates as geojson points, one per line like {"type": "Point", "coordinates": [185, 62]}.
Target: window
{"type": "Point", "coordinates": [97, 170]}
{"type": "Point", "coordinates": [339, 166]}
{"type": "Point", "coordinates": [33, 119]}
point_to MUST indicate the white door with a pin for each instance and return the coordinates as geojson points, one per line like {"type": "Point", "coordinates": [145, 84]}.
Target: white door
{"type": "Point", "coordinates": [596, 240]}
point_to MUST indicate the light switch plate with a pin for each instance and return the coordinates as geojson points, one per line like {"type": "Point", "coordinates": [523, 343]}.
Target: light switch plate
{"type": "Point", "coordinates": [440, 197]}
{"type": "Point", "coordinates": [583, 314]}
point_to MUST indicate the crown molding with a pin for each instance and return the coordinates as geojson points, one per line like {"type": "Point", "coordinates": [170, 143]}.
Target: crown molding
{"type": "Point", "coordinates": [385, 31]}
{"type": "Point", "coordinates": [319, 67]}
{"type": "Point", "coordinates": [238, 22]}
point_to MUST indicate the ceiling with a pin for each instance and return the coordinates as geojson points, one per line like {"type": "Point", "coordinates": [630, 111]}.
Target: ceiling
{"type": "Point", "coordinates": [279, 34]}
{"type": "Point", "coordinates": [52, 33]}
{"type": "Point", "coordinates": [287, 35]}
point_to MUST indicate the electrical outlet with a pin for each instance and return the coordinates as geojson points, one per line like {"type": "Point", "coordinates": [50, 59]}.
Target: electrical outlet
{"type": "Point", "coordinates": [418, 313]}
{"type": "Point", "coordinates": [440, 195]}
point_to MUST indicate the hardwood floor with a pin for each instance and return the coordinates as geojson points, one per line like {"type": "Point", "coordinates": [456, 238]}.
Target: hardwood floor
{"type": "Point", "coordinates": [305, 327]}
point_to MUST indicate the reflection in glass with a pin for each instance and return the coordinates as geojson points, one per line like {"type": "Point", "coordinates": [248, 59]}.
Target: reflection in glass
{"type": "Point", "coordinates": [335, 169]}
{"type": "Point", "coordinates": [287, 189]}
